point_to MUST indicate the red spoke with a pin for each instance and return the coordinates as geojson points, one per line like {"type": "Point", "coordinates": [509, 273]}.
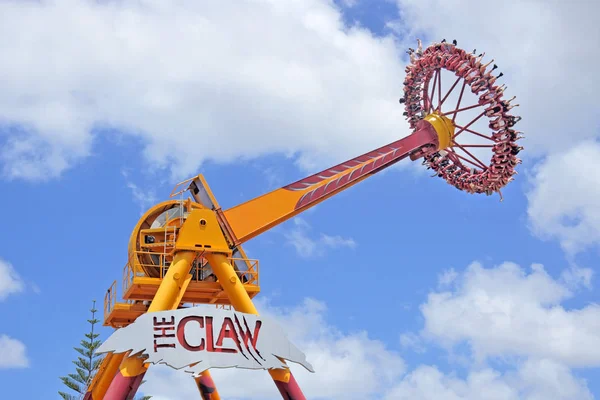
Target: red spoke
{"type": "Point", "coordinates": [468, 125]}
{"type": "Point", "coordinates": [464, 109]}
{"type": "Point", "coordinates": [459, 99]}
{"type": "Point", "coordinates": [477, 145]}
{"type": "Point", "coordinates": [475, 133]}
{"type": "Point", "coordinates": [430, 100]}
{"type": "Point", "coordinates": [432, 93]}
{"type": "Point", "coordinates": [448, 94]}
{"type": "Point", "coordinates": [452, 155]}
{"type": "Point", "coordinates": [435, 78]}
{"type": "Point", "coordinates": [439, 71]}
{"type": "Point", "coordinates": [465, 159]}
{"type": "Point", "coordinates": [474, 158]}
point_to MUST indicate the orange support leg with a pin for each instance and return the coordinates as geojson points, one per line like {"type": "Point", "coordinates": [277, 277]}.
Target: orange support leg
{"type": "Point", "coordinates": [206, 386]}
{"type": "Point", "coordinates": [128, 379]}
{"type": "Point", "coordinates": [106, 372]}
{"type": "Point", "coordinates": [240, 300]}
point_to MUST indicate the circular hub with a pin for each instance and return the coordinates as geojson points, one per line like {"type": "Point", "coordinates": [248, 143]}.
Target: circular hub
{"type": "Point", "coordinates": [444, 128]}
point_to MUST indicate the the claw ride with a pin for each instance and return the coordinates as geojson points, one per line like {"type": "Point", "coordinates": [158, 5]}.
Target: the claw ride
{"type": "Point", "coordinates": [186, 252]}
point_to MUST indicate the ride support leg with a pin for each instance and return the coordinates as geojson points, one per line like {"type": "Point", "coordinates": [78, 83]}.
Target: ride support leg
{"type": "Point", "coordinates": [241, 301]}
{"type": "Point", "coordinates": [106, 372]}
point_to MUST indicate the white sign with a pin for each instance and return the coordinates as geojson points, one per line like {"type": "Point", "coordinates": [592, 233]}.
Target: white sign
{"type": "Point", "coordinates": [208, 337]}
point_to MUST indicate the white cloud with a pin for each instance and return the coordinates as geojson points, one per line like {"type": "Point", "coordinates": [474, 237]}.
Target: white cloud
{"type": "Point", "coordinates": [12, 353]}
{"type": "Point", "coordinates": [533, 380]}
{"type": "Point", "coordinates": [337, 241]}
{"type": "Point", "coordinates": [564, 202]}
{"type": "Point", "coordinates": [575, 277]}
{"type": "Point", "coordinates": [348, 365]}
{"type": "Point", "coordinates": [273, 177]}
{"type": "Point", "coordinates": [447, 277]}
{"type": "Point", "coordinates": [546, 379]}
{"type": "Point", "coordinates": [143, 198]}
{"type": "Point", "coordinates": [349, 3]}
{"type": "Point", "coordinates": [10, 281]}
{"type": "Point", "coordinates": [428, 382]}
{"type": "Point", "coordinates": [412, 342]}
{"type": "Point", "coordinates": [307, 246]}
{"type": "Point", "coordinates": [187, 78]}
{"type": "Point", "coordinates": [510, 315]}
{"type": "Point", "coordinates": [507, 311]}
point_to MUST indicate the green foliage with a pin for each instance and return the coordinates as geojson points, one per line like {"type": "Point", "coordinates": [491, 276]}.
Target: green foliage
{"type": "Point", "coordinates": [86, 364]}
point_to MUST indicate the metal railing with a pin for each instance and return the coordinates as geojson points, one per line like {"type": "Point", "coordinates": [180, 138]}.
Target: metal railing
{"type": "Point", "coordinates": [249, 276]}
{"type": "Point", "coordinates": [161, 262]}
{"type": "Point", "coordinates": [110, 299]}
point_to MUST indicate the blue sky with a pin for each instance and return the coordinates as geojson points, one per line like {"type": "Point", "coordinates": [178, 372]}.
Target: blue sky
{"type": "Point", "coordinates": [79, 170]}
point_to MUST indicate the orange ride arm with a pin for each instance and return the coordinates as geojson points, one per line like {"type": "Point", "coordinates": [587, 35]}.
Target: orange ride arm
{"type": "Point", "coordinates": [256, 216]}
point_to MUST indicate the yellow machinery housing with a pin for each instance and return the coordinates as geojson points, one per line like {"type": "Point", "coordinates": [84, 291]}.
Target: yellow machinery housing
{"type": "Point", "coordinates": [151, 251]}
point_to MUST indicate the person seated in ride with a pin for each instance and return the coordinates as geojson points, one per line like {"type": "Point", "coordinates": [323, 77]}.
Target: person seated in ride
{"type": "Point", "coordinates": [419, 48]}
{"type": "Point", "coordinates": [515, 149]}
{"type": "Point", "coordinates": [465, 67]}
{"type": "Point", "coordinates": [495, 110]}
{"type": "Point", "coordinates": [512, 120]}
{"type": "Point", "coordinates": [446, 46]}
{"type": "Point", "coordinates": [472, 75]}
{"type": "Point", "coordinates": [459, 56]}
{"type": "Point", "coordinates": [501, 158]}
{"type": "Point", "coordinates": [480, 68]}
{"type": "Point", "coordinates": [491, 79]}
{"type": "Point", "coordinates": [483, 67]}
{"type": "Point", "coordinates": [498, 124]}
{"type": "Point", "coordinates": [501, 147]}
{"type": "Point", "coordinates": [495, 93]}
{"type": "Point", "coordinates": [506, 106]}
{"type": "Point", "coordinates": [498, 169]}
{"type": "Point", "coordinates": [515, 135]}
{"type": "Point", "coordinates": [472, 64]}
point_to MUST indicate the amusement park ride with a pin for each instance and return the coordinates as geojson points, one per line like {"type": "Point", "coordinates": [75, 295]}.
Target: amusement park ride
{"type": "Point", "coordinates": [189, 251]}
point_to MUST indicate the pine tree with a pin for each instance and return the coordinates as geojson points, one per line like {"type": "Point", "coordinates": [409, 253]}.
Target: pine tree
{"type": "Point", "coordinates": [86, 364]}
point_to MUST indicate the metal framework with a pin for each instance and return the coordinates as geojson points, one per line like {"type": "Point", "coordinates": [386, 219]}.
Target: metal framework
{"type": "Point", "coordinates": [185, 252]}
